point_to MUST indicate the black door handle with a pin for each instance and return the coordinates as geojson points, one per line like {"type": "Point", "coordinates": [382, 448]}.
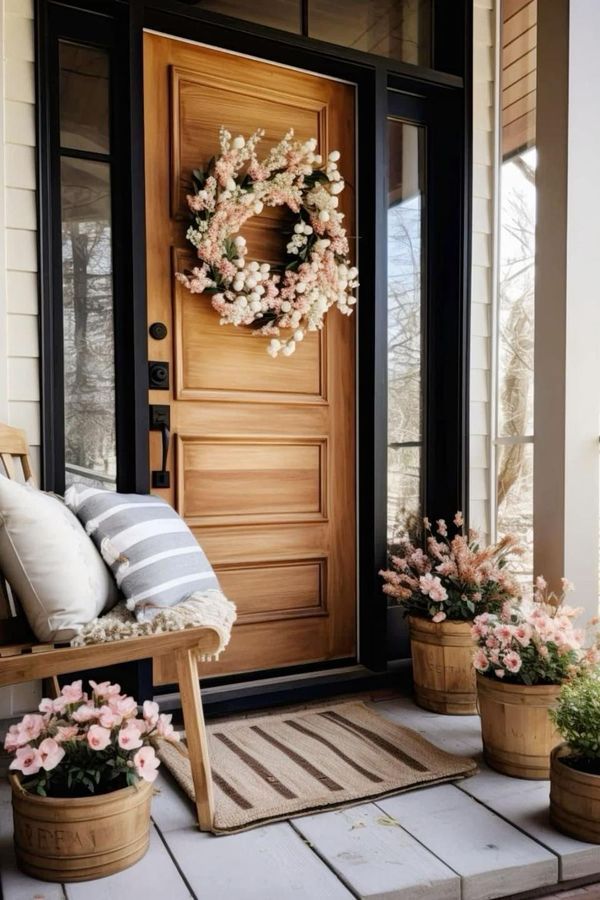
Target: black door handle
{"type": "Point", "coordinates": [160, 421]}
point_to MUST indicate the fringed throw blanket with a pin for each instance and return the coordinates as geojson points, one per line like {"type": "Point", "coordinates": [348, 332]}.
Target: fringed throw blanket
{"type": "Point", "coordinates": [210, 609]}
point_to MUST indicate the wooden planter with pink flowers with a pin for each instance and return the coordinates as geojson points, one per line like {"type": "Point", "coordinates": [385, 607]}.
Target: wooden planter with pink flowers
{"type": "Point", "coordinates": [81, 781]}
{"type": "Point", "coordinates": [80, 838]}
{"type": "Point", "coordinates": [442, 585]}
{"type": "Point", "coordinates": [443, 673]}
{"type": "Point", "coordinates": [525, 654]}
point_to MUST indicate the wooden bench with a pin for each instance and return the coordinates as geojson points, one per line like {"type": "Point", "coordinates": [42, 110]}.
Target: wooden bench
{"type": "Point", "coordinates": [22, 658]}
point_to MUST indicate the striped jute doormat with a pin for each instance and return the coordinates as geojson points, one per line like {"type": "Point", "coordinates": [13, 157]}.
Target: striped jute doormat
{"type": "Point", "coordinates": [296, 762]}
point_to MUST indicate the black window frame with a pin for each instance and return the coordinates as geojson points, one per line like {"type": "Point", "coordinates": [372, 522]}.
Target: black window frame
{"type": "Point", "coordinates": [443, 97]}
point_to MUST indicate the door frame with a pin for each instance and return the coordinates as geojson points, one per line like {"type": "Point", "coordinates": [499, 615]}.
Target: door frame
{"type": "Point", "coordinates": [379, 82]}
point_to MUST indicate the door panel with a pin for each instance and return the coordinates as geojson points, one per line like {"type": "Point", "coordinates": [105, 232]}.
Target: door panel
{"type": "Point", "coordinates": [263, 460]}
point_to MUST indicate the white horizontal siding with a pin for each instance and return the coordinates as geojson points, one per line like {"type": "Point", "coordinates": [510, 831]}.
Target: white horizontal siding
{"type": "Point", "coordinates": [19, 341]}
{"type": "Point", "coordinates": [482, 260]}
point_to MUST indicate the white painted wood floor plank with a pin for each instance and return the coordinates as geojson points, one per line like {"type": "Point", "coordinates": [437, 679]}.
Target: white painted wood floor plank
{"type": "Point", "coordinates": [526, 805]}
{"type": "Point", "coordinates": [154, 877]}
{"type": "Point", "coordinates": [493, 858]}
{"type": "Point", "coordinates": [455, 734]}
{"type": "Point", "coordinates": [376, 861]}
{"type": "Point", "coordinates": [13, 884]}
{"type": "Point", "coordinates": [268, 863]}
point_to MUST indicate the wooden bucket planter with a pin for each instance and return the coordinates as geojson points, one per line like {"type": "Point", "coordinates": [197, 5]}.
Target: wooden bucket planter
{"type": "Point", "coordinates": [574, 799]}
{"type": "Point", "coordinates": [518, 735]}
{"type": "Point", "coordinates": [443, 673]}
{"type": "Point", "coordinates": [80, 838]}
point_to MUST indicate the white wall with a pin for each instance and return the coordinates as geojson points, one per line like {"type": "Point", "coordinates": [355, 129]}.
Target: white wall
{"type": "Point", "coordinates": [19, 384]}
{"type": "Point", "coordinates": [484, 144]}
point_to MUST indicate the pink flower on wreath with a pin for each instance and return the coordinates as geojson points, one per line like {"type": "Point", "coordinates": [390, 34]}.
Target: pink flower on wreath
{"type": "Point", "coordinates": [98, 737]}
{"type": "Point", "coordinates": [73, 693]}
{"type": "Point", "coordinates": [129, 738]}
{"type": "Point", "coordinates": [480, 661]}
{"type": "Point", "coordinates": [459, 519]}
{"type": "Point", "coordinates": [146, 764]}
{"type": "Point", "coordinates": [28, 761]}
{"type": "Point", "coordinates": [442, 528]}
{"type": "Point", "coordinates": [439, 616]}
{"type": "Point", "coordinates": [51, 754]}
{"type": "Point", "coordinates": [512, 662]}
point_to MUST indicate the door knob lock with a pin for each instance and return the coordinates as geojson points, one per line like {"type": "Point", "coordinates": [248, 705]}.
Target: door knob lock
{"type": "Point", "coordinates": [158, 376]}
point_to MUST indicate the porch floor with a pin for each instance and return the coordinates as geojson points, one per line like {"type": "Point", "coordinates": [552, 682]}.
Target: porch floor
{"type": "Point", "coordinates": [487, 836]}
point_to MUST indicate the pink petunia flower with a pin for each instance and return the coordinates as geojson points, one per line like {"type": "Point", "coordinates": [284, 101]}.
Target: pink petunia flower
{"type": "Point", "coordinates": [480, 661]}
{"type": "Point", "coordinates": [439, 616]}
{"type": "Point", "coordinates": [51, 754]}
{"type": "Point", "coordinates": [28, 760]}
{"type": "Point", "coordinates": [66, 733]}
{"type": "Point", "coordinates": [85, 713]}
{"type": "Point", "coordinates": [146, 763]}
{"type": "Point", "coordinates": [108, 718]}
{"type": "Point", "coordinates": [123, 706]}
{"type": "Point", "coordinates": [73, 693]}
{"type": "Point", "coordinates": [512, 661]}
{"type": "Point", "coordinates": [150, 712]}
{"type": "Point", "coordinates": [164, 728]}
{"type": "Point", "coordinates": [98, 737]}
{"type": "Point", "coordinates": [129, 737]}
{"type": "Point", "coordinates": [105, 689]}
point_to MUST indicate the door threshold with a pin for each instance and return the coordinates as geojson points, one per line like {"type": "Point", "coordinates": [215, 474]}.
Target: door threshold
{"type": "Point", "coordinates": [261, 693]}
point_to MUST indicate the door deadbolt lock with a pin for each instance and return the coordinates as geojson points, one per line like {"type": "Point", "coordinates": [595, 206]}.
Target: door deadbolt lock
{"type": "Point", "coordinates": [158, 331]}
{"type": "Point", "coordinates": [158, 376]}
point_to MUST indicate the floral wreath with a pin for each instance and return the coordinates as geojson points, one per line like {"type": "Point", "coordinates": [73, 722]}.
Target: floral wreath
{"type": "Point", "coordinates": [318, 273]}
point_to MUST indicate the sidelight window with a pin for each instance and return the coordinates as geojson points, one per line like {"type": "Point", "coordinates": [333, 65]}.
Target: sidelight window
{"type": "Point", "coordinates": [87, 269]}
{"type": "Point", "coordinates": [405, 329]}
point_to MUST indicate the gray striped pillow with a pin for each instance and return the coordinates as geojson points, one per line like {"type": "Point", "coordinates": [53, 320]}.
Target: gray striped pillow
{"type": "Point", "coordinates": [154, 557]}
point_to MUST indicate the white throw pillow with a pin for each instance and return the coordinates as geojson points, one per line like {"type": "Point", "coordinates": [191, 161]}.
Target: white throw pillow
{"type": "Point", "coordinates": [50, 563]}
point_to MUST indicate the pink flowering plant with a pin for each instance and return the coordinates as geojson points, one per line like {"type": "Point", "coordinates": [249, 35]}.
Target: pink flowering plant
{"type": "Point", "coordinates": [534, 642]}
{"type": "Point", "coordinates": [451, 577]}
{"type": "Point", "coordinates": [317, 274]}
{"type": "Point", "coordinates": [84, 743]}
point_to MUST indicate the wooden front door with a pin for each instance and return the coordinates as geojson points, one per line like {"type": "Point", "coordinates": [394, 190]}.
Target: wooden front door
{"type": "Point", "coordinates": [262, 459]}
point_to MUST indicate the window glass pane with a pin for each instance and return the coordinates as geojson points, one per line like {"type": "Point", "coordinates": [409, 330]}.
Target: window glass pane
{"type": "Point", "coordinates": [400, 30]}
{"type": "Point", "coordinates": [515, 500]}
{"type": "Point", "coordinates": [516, 295]}
{"type": "Point", "coordinates": [84, 110]}
{"type": "Point", "coordinates": [282, 14]}
{"type": "Point", "coordinates": [514, 326]}
{"type": "Point", "coordinates": [405, 249]}
{"type": "Point", "coordinates": [90, 441]}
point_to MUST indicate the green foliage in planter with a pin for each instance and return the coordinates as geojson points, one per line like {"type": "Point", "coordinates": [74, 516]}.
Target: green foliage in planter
{"type": "Point", "coordinates": [577, 715]}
